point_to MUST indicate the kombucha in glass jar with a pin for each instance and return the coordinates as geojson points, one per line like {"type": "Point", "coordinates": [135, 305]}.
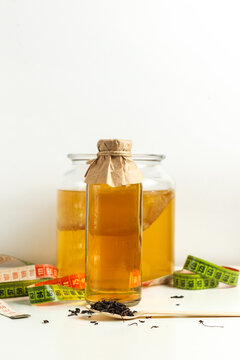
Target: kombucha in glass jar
{"type": "Point", "coordinates": [158, 217]}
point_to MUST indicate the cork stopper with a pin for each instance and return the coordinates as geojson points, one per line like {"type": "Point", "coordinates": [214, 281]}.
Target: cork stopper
{"type": "Point", "coordinates": [114, 164]}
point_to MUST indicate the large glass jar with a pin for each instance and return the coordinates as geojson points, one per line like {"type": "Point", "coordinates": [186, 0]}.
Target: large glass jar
{"type": "Point", "coordinates": [158, 217]}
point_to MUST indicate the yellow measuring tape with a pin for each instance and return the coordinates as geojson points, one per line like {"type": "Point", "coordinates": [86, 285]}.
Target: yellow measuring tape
{"type": "Point", "coordinates": [70, 287]}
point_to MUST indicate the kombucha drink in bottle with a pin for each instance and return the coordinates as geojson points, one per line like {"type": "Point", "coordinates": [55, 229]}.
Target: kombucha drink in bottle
{"type": "Point", "coordinates": [114, 231]}
{"type": "Point", "coordinates": [114, 243]}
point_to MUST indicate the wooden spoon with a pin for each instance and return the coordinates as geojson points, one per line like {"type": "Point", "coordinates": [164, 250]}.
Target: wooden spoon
{"type": "Point", "coordinates": [144, 314]}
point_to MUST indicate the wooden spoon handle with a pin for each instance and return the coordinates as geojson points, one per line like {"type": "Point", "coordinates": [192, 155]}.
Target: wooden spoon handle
{"type": "Point", "coordinates": [188, 314]}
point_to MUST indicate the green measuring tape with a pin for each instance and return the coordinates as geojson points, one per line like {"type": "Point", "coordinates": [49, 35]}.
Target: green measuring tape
{"type": "Point", "coordinates": [12, 289]}
{"type": "Point", "coordinates": [48, 293]}
{"type": "Point", "coordinates": [204, 275]}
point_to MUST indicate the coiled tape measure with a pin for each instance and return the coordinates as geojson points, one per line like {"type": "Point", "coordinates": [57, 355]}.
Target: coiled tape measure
{"type": "Point", "coordinates": [198, 274]}
{"type": "Point", "coordinates": [204, 275]}
{"type": "Point", "coordinates": [40, 282]}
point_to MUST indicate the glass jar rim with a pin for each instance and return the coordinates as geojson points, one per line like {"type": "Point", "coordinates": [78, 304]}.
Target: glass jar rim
{"type": "Point", "coordinates": [136, 157]}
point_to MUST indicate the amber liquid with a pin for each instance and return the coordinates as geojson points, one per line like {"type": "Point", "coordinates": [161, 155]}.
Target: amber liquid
{"type": "Point", "coordinates": [113, 256]}
{"type": "Point", "coordinates": [71, 232]}
{"type": "Point", "coordinates": [158, 233]}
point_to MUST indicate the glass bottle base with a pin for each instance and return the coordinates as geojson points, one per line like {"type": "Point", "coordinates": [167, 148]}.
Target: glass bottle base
{"type": "Point", "coordinates": [129, 299]}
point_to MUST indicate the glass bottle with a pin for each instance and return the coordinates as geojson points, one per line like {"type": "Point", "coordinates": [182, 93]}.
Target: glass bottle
{"type": "Point", "coordinates": [114, 226]}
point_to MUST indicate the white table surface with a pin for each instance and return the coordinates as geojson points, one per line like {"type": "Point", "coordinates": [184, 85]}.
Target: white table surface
{"type": "Point", "coordinates": [76, 338]}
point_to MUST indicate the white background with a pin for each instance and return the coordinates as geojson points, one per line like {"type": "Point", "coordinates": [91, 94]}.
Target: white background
{"type": "Point", "coordinates": [163, 73]}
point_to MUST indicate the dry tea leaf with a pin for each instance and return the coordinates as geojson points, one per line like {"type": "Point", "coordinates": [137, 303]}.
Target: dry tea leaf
{"type": "Point", "coordinates": [112, 307]}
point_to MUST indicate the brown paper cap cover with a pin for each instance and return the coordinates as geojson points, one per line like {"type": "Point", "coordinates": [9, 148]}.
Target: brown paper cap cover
{"type": "Point", "coordinates": [114, 164]}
